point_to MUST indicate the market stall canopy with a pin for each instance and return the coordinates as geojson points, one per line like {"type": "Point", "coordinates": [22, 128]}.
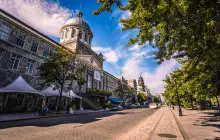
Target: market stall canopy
{"type": "Point", "coordinates": [115, 99]}
{"type": "Point", "coordinates": [71, 94]}
{"type": "Point", "coordinates": [19, 86]}
{"type": "Point", "coordinates": [51, 91]}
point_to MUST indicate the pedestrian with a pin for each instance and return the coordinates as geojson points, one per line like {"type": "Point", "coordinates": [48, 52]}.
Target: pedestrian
{"type": "Point", "coordinates": [46, 109]}
{"type": "Point", "coordinates": [68, 108]}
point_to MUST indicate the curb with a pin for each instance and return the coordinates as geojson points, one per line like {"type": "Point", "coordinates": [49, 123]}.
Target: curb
{"type": "Point", "coordinates": [185, 136]}
{"type": "Point", "coordinates": [52, 116]}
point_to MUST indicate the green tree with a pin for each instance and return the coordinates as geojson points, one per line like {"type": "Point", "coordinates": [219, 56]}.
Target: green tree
{"type": "Point", "coordinates": [80, 77]}
{"type": "Point", "coordinates": [185, 29]}
{"type": "Point", "coordinates": [156, 99]}
{"type": "Point", "coordinates": [142, 97]}
{"type": "Point", "coordinates": [57, 70]}
{"type": "Point", "coordinates": [179, 27]}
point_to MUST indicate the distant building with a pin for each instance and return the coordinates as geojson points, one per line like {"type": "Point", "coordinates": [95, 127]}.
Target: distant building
{"type": "Point", "coordinates": [133, 83]}
{"type": "Point", "coordinates": [133, 87]}
{"type": "Point", "coordinates": [110, 83]}
{"type": "Point", "coordinates": [141, 85]}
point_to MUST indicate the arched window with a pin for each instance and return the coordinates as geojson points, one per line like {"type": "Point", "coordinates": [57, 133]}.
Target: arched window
{"type": "Point", "coordinates": [66, 33]}
{"type": "Point", "coordinates": [73, 32]}
{"type": "Point", "coordinates": [89, 39]}
{"type": "Point", "coordinates": [80, 34]}
{"type": "Point", "coordinates": [86, 37]}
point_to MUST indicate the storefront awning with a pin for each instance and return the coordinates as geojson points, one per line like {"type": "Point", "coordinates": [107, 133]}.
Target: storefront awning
{"type": "Point", "coordinates": [19, 86]}
{"type": "Point", "coordinates": [115, 99]}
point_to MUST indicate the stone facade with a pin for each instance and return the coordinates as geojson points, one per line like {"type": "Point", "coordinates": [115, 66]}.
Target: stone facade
{"type": "Point", "coordinates": [23, 49]}
{"type": "Point", "coordinates": [110, 83]}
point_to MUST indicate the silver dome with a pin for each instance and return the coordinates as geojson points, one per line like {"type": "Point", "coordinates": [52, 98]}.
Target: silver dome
{"type": "Point", "coordinates": [78, 21]}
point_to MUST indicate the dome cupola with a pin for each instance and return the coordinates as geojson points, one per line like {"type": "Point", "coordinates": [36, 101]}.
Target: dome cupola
{"type": "Point", "coordinates": [78, 21]}
{"type": "Point", "coordinates": [76, 29]}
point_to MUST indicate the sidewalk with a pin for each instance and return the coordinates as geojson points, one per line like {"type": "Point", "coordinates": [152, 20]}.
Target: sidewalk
{"type": "Point", "coordinates": [200, 125]}
{"type": "Point", "coordinates": [28, 116]}
{"type": "Point", "coordinates": [167, 127]}
{"type": "Point", "coordinates": [160, 126]}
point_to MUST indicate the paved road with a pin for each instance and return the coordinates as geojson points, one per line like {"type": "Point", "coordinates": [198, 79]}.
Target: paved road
{"type": "Point", "coordinates": [94, 126]}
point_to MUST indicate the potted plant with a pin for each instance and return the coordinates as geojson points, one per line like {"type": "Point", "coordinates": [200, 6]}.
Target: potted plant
{"type": "Point", "coordinates": [72, 109]}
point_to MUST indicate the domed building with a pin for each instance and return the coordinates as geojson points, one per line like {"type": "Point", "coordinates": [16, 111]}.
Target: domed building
{"type": "Point", "coordinates": [76, 35]}
{"type": "Point", "coordinates": [23, 49]}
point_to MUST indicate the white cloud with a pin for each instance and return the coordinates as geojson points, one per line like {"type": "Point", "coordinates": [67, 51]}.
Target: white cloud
{"type": "Point", "coordinates": [155, 81]}
{"type": "Point", "coordinates": [131, 69]}
{"type": "Point", "coordinates": [47, 17]}
{"type": "Point", "coordinates": [121, 15]}
{"type": "Point", "coordinates": [109, 54]}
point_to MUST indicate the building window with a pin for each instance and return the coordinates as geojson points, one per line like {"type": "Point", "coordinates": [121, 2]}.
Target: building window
{"type": "Point", "coordinates": [86, 37]}
{"type": "Point", "coordinates": [30, 66]}
{"type": "Point", "coordinates": [14, 62]}
{"type": "Point", "coordinates": [66, 33]}
{"type": "Point", "coordinates": [73, 32]}
{"type": "Point", "coordinates": [35, 45]}
{"type": "Point", "coordinates": [21, 39]}
{"type": "Point", "coordinates": [89, 40]}
{"type": "Point", "coordinates": [46, 51]}
{"type": "Point", "coordinates": [1, 52]}
{"type": "Point", "coordinates": [4, 31]}
{"type": "Point", "coordinates": [20, 99]}
{"type": "Point", "coordinates": [2, 98]}
{"type": "Point", "coordinates": [89, 84]}
{"type": "Point", "coordinates": [80, 34]}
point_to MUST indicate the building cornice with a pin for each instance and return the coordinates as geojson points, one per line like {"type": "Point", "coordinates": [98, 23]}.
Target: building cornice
{"type": "Point", "coordinates": [90, 49]}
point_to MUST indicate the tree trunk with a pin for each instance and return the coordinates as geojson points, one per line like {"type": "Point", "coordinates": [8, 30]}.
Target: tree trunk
{"type": "Point", "coordinates": [191, 99]}
{"type": "Point", "coordinates": [60, 97]}
{"type": "Point", "coordinates": [180, 111]}
{"type": "Point", "coordinates": [80, 89]}
{"type": "Point", "coordinates": [217, 101]}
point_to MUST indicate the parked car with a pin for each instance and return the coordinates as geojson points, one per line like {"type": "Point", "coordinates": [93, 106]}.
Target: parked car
{"type": "Point", "coordinates": [137, 105]}
{"type": "Point", "coordinates": [129, 106]}
{"type": "Point", "coordinates": [116, 108]}
{"type": "Point", "coordinates": [152, 105]}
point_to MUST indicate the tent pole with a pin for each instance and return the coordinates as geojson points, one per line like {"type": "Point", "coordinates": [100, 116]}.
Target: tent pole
{"type": "Point", "coordinates": [6, 100]}
{"type": "Point", "coordinates": [80, 103]}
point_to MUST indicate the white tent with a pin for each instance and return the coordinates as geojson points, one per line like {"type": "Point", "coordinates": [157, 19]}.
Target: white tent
{"type": "Point", "coordinates": [50, 91]}
{"type": "Point", "coordinates": [19, 86]}
{"type": "Point", "coordinates": [73, 95]}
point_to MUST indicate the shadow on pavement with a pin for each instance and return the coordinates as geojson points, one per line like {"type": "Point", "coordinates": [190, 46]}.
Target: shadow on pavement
{"type": "Point", "coordinates": [47, 122]}
{"type": "Point", "coordinates": [213, 120]}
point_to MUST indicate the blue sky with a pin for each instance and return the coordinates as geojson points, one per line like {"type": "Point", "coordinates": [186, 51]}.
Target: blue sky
{"type": "Point", "coordinates": [48, 16]}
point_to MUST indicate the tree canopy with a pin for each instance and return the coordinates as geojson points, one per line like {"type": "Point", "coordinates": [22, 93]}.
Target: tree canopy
{"type": "Point", "coordinates": [142, 97]}
{"type": "Point", "coordinates": [178, 27]}
{"type": "Point", "coordinates": [186, 30]}
{"type": "Point", "coordinates": [57, 70]}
